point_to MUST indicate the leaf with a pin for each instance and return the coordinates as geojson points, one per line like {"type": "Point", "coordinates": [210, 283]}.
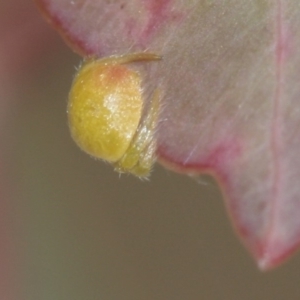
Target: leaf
{"type": "Point", "coordinates": [230, 80]}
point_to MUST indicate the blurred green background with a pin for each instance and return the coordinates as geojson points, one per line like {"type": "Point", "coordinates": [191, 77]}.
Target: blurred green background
{"type": "Point", "coordinates": [84, 233]}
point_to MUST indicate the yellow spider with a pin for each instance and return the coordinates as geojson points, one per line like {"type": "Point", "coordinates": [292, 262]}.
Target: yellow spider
{"type": "Point", "coordinates": [105, 112]}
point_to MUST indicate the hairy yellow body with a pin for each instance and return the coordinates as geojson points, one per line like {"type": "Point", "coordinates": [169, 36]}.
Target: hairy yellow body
{"type": "Point", "coordinates": [105, 109]}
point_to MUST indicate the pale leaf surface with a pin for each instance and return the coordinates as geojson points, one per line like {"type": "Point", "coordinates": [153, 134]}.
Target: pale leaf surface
{"type": "Point", "coordinates": [230, 84]}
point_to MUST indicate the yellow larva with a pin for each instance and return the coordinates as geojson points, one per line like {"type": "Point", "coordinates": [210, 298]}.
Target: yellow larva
{"type": "Point", "coordinates": [105, 113]}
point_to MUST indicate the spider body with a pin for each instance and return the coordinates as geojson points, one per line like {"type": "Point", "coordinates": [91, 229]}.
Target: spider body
{"type": "Point", "coordinates": [105, 112]}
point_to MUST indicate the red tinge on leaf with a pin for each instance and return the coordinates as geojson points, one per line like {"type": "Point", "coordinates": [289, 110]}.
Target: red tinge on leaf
{"type": "Point", "coordinates": [230, 76]}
